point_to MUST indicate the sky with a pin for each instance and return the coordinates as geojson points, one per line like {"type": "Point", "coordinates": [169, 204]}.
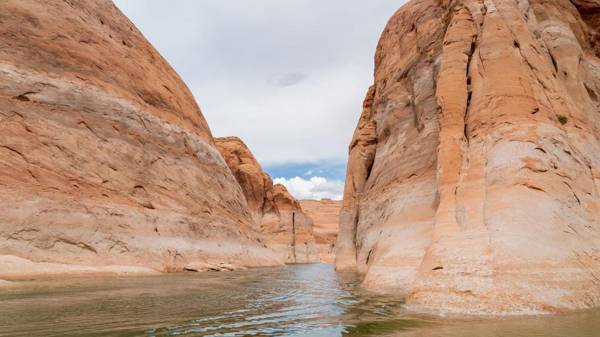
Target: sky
{"type": "Point", "coordinates": [286, 76]}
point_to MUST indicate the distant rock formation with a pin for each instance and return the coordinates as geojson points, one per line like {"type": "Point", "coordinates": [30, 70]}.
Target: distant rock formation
{"type": "Point", "coordinates": [278, 216]}
{"type": "Point", "coordinates": [473, 176]}
{"type": "Point", "coordinates": [105, 158]}
{"type": "Point", "coordinates": [325, 214]}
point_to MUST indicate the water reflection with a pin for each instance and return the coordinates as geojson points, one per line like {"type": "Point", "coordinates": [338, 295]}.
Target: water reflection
{"type": "Point", "coordinates": [304, 300]}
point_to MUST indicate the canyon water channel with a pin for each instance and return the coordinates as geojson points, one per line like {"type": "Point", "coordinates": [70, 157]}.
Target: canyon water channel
{"type": "Point", "coordinates": [299, 300]}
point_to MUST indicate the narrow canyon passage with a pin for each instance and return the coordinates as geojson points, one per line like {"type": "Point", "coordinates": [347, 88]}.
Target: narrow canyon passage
{"type": "Point", "coordinates": [468, 192]}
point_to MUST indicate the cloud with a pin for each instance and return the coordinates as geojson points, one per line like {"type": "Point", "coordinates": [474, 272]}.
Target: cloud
{"type": "Point", "coordinates": [315, 188]}
{"type": "Point", "coordinates": [288, 77]}
{"type": "Point", "coordinates": [330, 169]}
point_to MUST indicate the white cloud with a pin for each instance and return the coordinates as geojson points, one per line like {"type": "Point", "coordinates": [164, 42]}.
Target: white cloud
{"type": "Point", "coordinates": [296, 123]}
{"type": "Point", "coordinates": [309, 172]}
{"type": "Point", "coordinates": [315, 188]}
{"type": "Point", "coordinates": [288, 77]}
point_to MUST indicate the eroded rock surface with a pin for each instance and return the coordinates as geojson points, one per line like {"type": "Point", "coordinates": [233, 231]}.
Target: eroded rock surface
{"type": "Point", "coordinates": [325, 214]}
{"type": "Point", "coordinates": [277, 214]}
{"type": "Point", "coordinates": [472, 184]}
{"type": "Point", "coordinates": [105, 158]}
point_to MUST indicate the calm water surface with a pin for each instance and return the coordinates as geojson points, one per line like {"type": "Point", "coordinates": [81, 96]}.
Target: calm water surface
{"type": "Point", "coordinates": [303, 300]}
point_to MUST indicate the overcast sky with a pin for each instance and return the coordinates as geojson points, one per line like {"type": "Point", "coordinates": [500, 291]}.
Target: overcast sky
{"type": "Point", "coordinates": [286, 76]}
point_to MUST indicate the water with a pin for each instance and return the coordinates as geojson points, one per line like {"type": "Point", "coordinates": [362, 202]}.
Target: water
{"type": "Point", "coordinates": [303, 300]}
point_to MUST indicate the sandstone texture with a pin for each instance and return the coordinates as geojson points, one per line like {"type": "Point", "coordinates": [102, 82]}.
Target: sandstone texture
{"type": "Point", "coordinates": [277, 215]}
{"type": "Point", "coordinates": [473, 176]}
{"type": "Point", "coordinates": [325, 214]}
{"type": "Point", "coordinates": [105, 157]}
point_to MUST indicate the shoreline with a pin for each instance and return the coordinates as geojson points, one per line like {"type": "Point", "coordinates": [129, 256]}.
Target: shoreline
{"type": "Point", "coordinates": [5, 283]}
{"type": "Point", "coordinates": [14, 270]}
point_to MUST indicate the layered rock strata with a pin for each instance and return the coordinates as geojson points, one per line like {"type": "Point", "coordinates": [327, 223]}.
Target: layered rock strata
{"type": "Point", "coordinates": [278, 216]}
{"type": "Point", "coordinates": [105, 158]}
{"type": "Point", "coordinates": [325, 214]}
{"type": "Point", "coordinates": [472, 183]}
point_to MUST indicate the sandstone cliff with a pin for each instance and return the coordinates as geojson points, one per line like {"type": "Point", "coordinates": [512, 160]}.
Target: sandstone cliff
{"type": "Point", "coordinates": [325, 215]}
{"type": "Point", "coordinates": [278, 216]}
{"type": "Point", "coordinates": [105, 158]}
{"type": "Point", "coordinates": [472, 184]}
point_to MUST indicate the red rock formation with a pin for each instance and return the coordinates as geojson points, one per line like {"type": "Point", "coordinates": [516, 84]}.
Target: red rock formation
{"type": "Point", "coordinates": [325, 214]}
{"type": "Point", "coordinates": [278, 216]}
{"type": "Point", "coordinates": [473, 172]}
{"type": "Point", "coordinates": [105, 158]}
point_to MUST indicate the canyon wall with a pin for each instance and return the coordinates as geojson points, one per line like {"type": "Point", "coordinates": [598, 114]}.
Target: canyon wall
{"type": "Point", "coordinates": [472, 183]}
{"type": "Point", "coordinates": [105, 158]}
{"type": "Point", "coordinates": [277, 215]}
{"type": "Point", "coordinates": [325, 214]}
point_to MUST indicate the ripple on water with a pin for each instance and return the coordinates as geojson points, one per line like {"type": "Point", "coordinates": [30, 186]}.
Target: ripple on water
{"type": "Point", "coordinates": [297, 301]}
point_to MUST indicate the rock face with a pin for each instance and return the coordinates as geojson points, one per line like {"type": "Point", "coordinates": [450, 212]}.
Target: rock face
{"type": "Point", "coordinates": [105, 158]}
{"type": "Point", "coordinates": [277, 215]}
{"type": "Point", "coordinates": [325, 214]}
{"type": "Point", "coordinates": [473, 176]}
